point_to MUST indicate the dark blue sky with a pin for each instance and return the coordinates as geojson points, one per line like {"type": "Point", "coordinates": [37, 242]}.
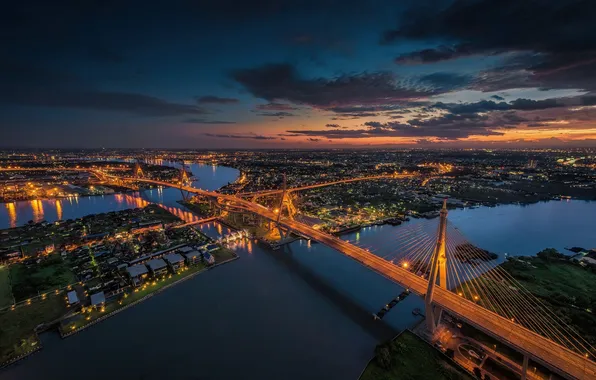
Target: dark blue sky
{"type": "Point", "coordinates": [198, 74]}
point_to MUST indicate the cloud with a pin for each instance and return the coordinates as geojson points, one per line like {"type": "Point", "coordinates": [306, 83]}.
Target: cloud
{"type": "Point", "coordinates": [282, 82]}
{"type": "Point", "coordinates": [518, 105]}
{"type": "Point", "coordinates": [447, 127]}
{"type": "Point", "coordinates": [195, 120]}
{"type": "Point", "coordinates": [558, 41]}
{"type": "Point", "coordinates": [497, 97]}
{"type": "Point", "coordinates": [239, 136]}
{"type": "Point", "coordinates": [313, 139]}
{"type": "Point", "coordinates": [280, 114]}
{"type": "Point", "coordinates": [216, 100]}
{"type": "Point", "coordinates": [102, 101]}
{"type": "Point", "coordinates": [275, 107]}
{"type": "Point", "coordinates": [333, 126]}
{"type": "Point", "coordinates": [28, 85]}
{"type": "Point", "coordinates": [445, 81]}
{"type": "Point", "coordinates": [441, 53]}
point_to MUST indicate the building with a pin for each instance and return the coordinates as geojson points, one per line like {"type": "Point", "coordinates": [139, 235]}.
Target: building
{"type": "Point", "coordinates": [209, 259]}
{"type": "Point", "coordinates": [157, 267]}
{"type": "Point", "coordinates": [192, 257]}
{"type": "Point", "coordinates": [137, 273]}
{"type": "Point", "coordinates": [212, 247]}
{"type": "Point", "coordinates": [174, 260]}
{"type": "Point", "coordinates": [72, 297]}
{"type": "Point", "coordinates": [98, 299]}
{"type": "Point", "coordinates": [185, 249]}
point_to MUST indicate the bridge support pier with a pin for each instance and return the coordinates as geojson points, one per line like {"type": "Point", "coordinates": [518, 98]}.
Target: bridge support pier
{"type": "Point", "coordinates": [524, 374]}
{"type": "Point", "coordinates": [438, 271]}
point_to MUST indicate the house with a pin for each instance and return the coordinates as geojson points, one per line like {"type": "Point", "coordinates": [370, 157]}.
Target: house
{"type": "Point", "coordinates": [72, 297]}
{"type": "Point", "coordinates": [157, 267]}
{"type": "Point", "coordinates": [137, 273]}
{"type": "Point", "coordinates": [174, 260]}
{"type": "Point", "coordinates": [185, 249]}
{"type": "Point", "coordinates": [98, 299]}
{"type": "Point", "coordinates": [212, 247]}
{"type": "Point", "coordinates": [209, 259]}
{"type": "Point", "coordinates": [192, 257]}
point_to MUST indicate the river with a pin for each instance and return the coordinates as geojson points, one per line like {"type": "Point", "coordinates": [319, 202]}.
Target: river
{"type": "Point", "coordinates": [301, 312]}
{"type": "Point", "coordinates": [20, 213]}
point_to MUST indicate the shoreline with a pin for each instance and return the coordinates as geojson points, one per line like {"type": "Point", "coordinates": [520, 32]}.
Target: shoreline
{"type": "Point", "coordinates": [119, 310]}
{"type": "Point", "coordinates": [113, 313]}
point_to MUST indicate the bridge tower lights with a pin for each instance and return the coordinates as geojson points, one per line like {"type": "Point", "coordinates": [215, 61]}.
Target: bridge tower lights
{"type": "Point", "coordinates": [138, 173]}
{"type": "Point", "coordinates": [438, 271]}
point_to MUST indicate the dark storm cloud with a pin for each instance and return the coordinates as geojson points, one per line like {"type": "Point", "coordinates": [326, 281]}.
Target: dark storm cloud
{"type": "Point", "coordinates": [27, 85]}
{"type": "Point", "coordinates": [276, 107]}
{"type": "Point", "coordinates": [102, 101]}
{"type": "Point", "coordinates": [561, 32]}
{"type": "Point", "coordinates": [195, 120]}
{"type": "Point", "coordinates": [238, 136]}
{"type": "Point", "coordinates": [441, 53]}
{"type": "Point", "coordinates": [275, 82]}
{"type": "Point", "coordinates": [216, 100]}
{"type": "Point", "coordinates": [516, 105]}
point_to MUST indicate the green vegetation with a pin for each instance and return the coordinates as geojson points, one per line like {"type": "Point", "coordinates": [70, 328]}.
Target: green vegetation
{"type": "Point", "coordinates": [564, 286]}
{"type": "Point", "coordinates": [223, 254]}
{"type": "Point", "coordinates": [50, 274]}
{"type": "Point", "coordinates": [17, 326]}
{"type": "Point", "coordinates": [5, 288]}
{"type": "Point", "coordinates": [410, 358]}
{"type": "Point", "coordinates": [202, 209]}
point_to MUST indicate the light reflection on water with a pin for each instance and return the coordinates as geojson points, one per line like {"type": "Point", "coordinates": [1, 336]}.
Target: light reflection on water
{"type": "Point", "coordinates": [209, 177]}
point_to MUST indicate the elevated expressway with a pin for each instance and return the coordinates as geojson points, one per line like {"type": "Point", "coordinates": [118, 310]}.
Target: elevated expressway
{"type": "Point", "coordinates": [534, 346]}
{"type": "Point", "coordinates": [324, 184]}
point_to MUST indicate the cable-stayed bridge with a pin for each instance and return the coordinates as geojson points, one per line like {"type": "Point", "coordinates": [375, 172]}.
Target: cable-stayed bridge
{"type": "Point", "coordinates": [452, 275]}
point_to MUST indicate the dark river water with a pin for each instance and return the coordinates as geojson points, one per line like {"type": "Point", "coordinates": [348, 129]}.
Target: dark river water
{"type": "Point", "coordinates": [299, 313]}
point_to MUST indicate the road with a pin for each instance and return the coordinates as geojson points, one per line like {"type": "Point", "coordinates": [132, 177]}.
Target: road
{"type": "Point", "coordinates": [324, 184]}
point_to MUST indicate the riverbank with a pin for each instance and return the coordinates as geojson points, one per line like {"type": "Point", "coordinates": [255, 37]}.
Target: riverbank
{"type": "Point", "coordinates": [563, 285]}
{"type": "Point", "coordinates": [34, 315]}
{"type": "Point", "coordinates": [126, 300]}
{"type": "Point", "coordinates": [409, 357]}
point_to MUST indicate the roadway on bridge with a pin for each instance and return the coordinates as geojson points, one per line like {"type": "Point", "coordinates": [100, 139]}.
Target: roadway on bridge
{"type": "Point", "coordinates": [317, 185]}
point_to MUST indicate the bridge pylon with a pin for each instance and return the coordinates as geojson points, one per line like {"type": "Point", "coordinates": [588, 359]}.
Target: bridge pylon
{"type": "Point", "coordinates": [285, 203]}
{"type": "Point", "coordinates": [438, 272]}
{"type": "Point", "coordinates": [138, 172]}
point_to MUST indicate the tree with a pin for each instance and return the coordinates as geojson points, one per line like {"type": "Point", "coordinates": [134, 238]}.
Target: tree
{"type": "Point", "coordinates": [383, 356]}
{"type": "Point", "coordinates": [478, 372]}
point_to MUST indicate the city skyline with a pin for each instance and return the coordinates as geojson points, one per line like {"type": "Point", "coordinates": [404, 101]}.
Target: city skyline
{"type": "Point", "coordinates": [313, 74]}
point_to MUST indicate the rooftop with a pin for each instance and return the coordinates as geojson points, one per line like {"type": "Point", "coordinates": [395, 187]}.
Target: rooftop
{"type": "Point", "coordinates": [173, 258]}
{"type": "Point", "coordinates": [136, 270]}
{"type": "Point", "coordinates": [98, 298]}
{"type": "Point", "coordinates": [156, 264]}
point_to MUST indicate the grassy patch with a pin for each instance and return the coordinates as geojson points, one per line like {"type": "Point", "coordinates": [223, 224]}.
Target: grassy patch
{"type": "Point", "coordinates": [563, 286]}
{"type": "Point", "coordinates": [17, 326]}
{"type": "Point", "coordinates": [223, 254]}
{"type": "Point", "coordinates": [51, 273]}
{"type": "Point", "coordinates": [409, 357]}
{"type": "Point", "coordinates": [5, 288]}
